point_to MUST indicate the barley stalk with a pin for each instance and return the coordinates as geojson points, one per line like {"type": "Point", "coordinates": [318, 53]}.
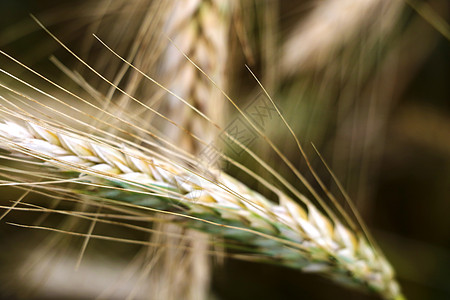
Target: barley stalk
{"type": "Point", "coordinates": [289, 234]}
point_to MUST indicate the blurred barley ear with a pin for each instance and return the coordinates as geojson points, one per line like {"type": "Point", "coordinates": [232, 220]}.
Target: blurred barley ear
{"type": "Point", "coordinates": [318, 39]}
{"type": "Point", "coordinates": [198, 29]}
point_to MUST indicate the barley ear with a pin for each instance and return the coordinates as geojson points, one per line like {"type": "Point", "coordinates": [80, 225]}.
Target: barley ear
{"type": "Point", "coordinates": [288, 234]}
